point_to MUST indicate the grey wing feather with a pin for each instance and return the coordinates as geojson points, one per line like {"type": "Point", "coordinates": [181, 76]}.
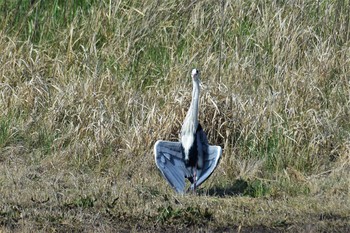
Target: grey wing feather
{"type": "Point", "coordinates": [211, 157]}
{"type": "Point", "coordinates": [169, 160]}
{"type": "Point", "coordinates": [211, 160]}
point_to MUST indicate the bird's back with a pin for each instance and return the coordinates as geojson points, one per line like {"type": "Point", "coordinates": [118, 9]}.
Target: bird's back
{"type": "Point", "coordinates": [193, 153]}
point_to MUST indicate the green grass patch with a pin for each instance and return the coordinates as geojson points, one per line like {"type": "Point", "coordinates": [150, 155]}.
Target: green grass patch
{"type": "Point", "coordinates": [5, 132]}
{"type": "Point", "coordinates": [81, 202]}
{"type": "Point", "coordinates": [184, 216]}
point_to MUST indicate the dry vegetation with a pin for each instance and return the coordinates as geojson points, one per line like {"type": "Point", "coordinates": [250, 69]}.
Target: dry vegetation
{"type": "Point", "coordinates": [87, 89]}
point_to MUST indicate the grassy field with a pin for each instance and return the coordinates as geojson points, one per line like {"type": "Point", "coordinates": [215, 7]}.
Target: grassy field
{"type": "Point", "coordinates": [86, 89]}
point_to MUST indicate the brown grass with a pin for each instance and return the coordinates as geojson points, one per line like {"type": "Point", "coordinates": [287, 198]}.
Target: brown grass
{"type": "Point", "coordinates": [87, 89]}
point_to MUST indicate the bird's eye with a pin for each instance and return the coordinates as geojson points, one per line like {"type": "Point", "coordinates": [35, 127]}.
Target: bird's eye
{"type": "Point", "coordinates": [195, 72]}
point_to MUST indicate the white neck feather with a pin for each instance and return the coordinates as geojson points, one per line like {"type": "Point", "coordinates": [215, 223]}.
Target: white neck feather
{"type": "Point", "coordinates": [191, 121]}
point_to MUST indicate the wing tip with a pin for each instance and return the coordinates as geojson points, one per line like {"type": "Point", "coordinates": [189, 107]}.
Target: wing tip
{"type": "Point", "coordinates": [219, 151]}
{"type": "Point", "coordinates": [155, 151]}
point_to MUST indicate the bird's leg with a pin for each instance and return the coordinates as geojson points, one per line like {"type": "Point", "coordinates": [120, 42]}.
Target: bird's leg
{"type": "Point", "coordinates": [194, 180]}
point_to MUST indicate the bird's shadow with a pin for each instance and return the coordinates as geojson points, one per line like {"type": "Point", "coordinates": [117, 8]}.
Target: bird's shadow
{"type": "Point", "coordinates": [238, 188]}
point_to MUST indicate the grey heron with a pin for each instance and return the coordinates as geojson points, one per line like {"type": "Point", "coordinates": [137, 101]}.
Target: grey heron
{"type": "Point", "coordinates": [192, 157]}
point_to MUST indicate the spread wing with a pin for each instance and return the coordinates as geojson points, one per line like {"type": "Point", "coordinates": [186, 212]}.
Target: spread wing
{"type": "Point", "coordinates": [169, 160]}
{"type": "Point", "coordinates": [208, 159]}
{"type": "Point", "coordinates": [211, 160]}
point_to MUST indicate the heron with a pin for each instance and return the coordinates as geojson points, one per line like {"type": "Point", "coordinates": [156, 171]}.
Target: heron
{"type": "Point", "coordinates": [191, 157]}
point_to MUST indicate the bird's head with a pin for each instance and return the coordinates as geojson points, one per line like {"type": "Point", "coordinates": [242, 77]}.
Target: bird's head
{"type": "Point", "coordinates": [195, 75]}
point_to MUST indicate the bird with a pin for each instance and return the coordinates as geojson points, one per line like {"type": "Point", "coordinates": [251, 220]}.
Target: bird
{"type": "Point", "coordinates": [191, 157]}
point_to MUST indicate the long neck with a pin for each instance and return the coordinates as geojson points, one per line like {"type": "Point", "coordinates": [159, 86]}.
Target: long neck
{"type": "Point", "coordinates": [191, 121]}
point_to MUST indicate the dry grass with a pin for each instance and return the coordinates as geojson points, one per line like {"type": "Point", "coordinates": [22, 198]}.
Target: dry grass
{"type": "Point", "coordinates": [87, 89]}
